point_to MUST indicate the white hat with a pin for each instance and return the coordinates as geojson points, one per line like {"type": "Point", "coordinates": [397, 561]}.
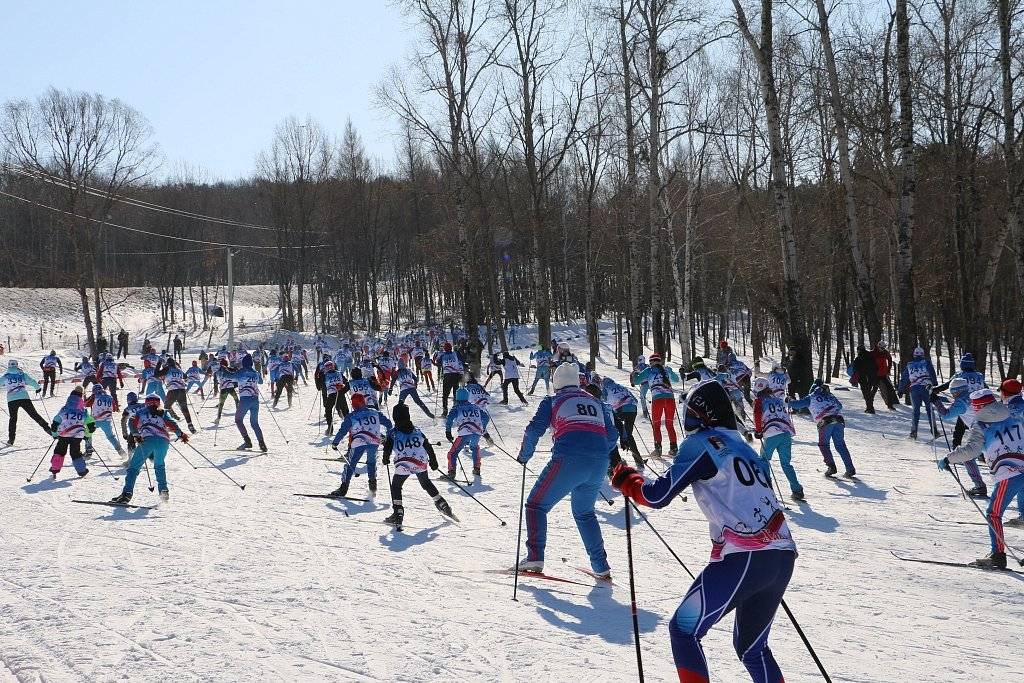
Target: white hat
{"type": "Point", "coordinates": [566, 375]}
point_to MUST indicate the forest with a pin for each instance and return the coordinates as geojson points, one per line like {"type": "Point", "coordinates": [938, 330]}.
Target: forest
{"type": "Point", "coordinates": [809, 175]}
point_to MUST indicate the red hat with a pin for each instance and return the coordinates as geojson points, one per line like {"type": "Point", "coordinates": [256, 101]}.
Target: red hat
{"type": "Point", "coordinates": [358, 401]}
{"type": "Point", "coordinates": [654, 358]}
{"type": "Point", "coordinates": [1010, 387]}
{"type": "Point", "coordinates": [723, 344]}
{"type": "Point", "coordinates": [982, 398]}
{"type": "Point", "coordinates": [447, 346]}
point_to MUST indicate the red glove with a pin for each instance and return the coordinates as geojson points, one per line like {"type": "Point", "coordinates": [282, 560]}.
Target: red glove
{"type": "Point", "coordinates": [628, 481]}
{"type": "Point", "coordinates": [183, 437]}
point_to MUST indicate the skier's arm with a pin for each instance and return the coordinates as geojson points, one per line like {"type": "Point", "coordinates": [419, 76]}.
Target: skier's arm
{"type": "Point", "coordinates": [31, 382]}
{"type": "Point", "coordinates": [346, 425]}
{"type": "Point", "coordinates": [612, 434]}
{"type": "Point", "coordinates": [904, 381]}
{"type": "Point", "coordinates": [758, 422]}
{"type": "Point", "coordinates": [389, 444]}
{"type": "Point", "coordinates": [431, 457]}
{"type": "Point", "coordinates": [385, 421]}
{"type": "Point", "coordinates": [90, 424]}
{"type": "Point", "coordinates": [972, 446]}
{"type": "Point", "coordinates": [800, 403]}
{"type": "Point", "coordinates": [448, 424]}
{"type": "Point", "coordinates": [538, 425]}
{"type": "Point", "coordinates": [60, 366]}
{"type": "Point", "coordinates": [693, 462]}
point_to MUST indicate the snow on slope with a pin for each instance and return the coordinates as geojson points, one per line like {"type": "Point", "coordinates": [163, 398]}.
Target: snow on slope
{"type": "Point", "coordinates": [228, 585]}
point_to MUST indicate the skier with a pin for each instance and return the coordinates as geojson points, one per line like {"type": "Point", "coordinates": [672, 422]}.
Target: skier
{"type": "Point", "coordinates": [623, 405]}
{"type": "Point", "coordinates": [153, 427]}
{"type": "Point", "coordinates": [827, 411]}
{"type": "Point", "coordinates": [698, 372]}
{"type": "Point", "coordinates": [333, 385]}
{"type": "Point", "coordinates": [406, 381]}
{"type": "Point", "coordinates": [470, 423]}
{"type": "Point", "coordinates": [583, 436]}
{"type": "Point", "coordinates": [494, 369]}
{"type": "Point", "coordinates": [1010, 390]}
{"type": "Point", "coordinates": [178, 346]}
{"type": "Point", "coordinates": [753, 553]}
{"type": "Point", "coordinates": [960, 409]}
{"type": "Point", "coordinates": [865, 376]}
{"type": "Point", "coordinates": [735, 393]}
{"type": "Point", "coordinates": [196, 378]}
{"type": "Point", "coordinates": [511, 366]}
{"type": "Point", "coordinates": [639, 367]}
{"type": "Point", "coordinates": [413, 454]}
{"type": "Point", "coordinates": [367, 388]}
{"type": "Point", "coordinates": [452, 368]}
{"type": "Point", "coordinates": [225, 376]}
{"type": "Point", "coordinates": [774, 428]}
{"type": "Point", "coordinates": [918, 378]}
{"type": "Point", "coordinates": [725, 355]}
{"type": "Point", "coordinates": [285, 379]}
{"type": "Point", "coordinates": [542, 359]}
{"type": "Point", "coordinates": [122, 344]}
{"type": "Point", "coordinates": [69, 427]}
{"type": "Point", "coordinates": [132, 406]}
{"type": "Point", "coordinates": [50, 364]}
{"type": "Point", "coordinates": [883, 369]}
{"type": "Point", "coordinates": [362, 426]}
{"type": "Point", "coordinates": [14, 382]}
{"type": "Point", "coordinates": [249, 404]}
{"type": "Point", "coordinates": [176, 381]}
{"type": "Point", "coordinates": [663, 402]}
{"type": "Point", "coordinates": [427, 372]}
{"type": "Point", "coordinates": [999, 435]}
{"type": "Point", "coordinates": [103, 406]}
{"type": "Point", "coordinates": [87, 371]}
{"type": "Point", "coordinates": [478, 395]}
{"type": "Point", "coordinates": [778, 380]}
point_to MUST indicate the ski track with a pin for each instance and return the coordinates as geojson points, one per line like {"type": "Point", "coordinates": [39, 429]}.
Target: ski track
{"type": "Point", "coordinates": [223, 584]}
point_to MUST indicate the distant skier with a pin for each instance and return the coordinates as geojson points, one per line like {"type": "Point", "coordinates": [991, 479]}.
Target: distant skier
{"type": "Point", "coordinates": [960, 410]}
{"type": "Point", "coordinates": [452, 368]}
{"type": "Point", "coordinates": [917, 379]}
{"type": "Point", "coordinates": [542, 358]}
{"type": "Point", "coordinates": [583, 436]}
{"type": "Point", "coordinates": [14, 382]}
{"type": "Point", "coordinates": [865, 376]}
{"type": "Point", "coordinates": [469, 423]}
{"type": "Point", "coordinates": [510, 367]}
{"type": "Point", "coordinates": [225, 376]}
{"type": "Point", "coordinates": [413, 454]}
{"type": "Point", "coordinates": [249, 382]}
{"type": "Point", "coordinates": [103, 406]}
{"type": "Point", "coordinates": [50, 364]}
{"type": "Point", "coordinates": [753, 553]}
{"type": "Point", "coordinates": [774, 428]}
{"type": "Point", "coordinates": [883, 370]}
{"type": "Point", "coordinates": [70, 427]}
{"type": "Point", "coordinates": [623, 405]}
{"type": "Point", "coordinates": [663, 401]}
{"type": "Point", "coordinates": [407, 383]}
{"type": "Point", "coordinates": [827, 411]}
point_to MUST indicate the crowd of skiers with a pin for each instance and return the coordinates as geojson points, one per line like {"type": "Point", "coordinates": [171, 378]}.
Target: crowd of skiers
{"type": "Point", "coordinates": [591, 419]}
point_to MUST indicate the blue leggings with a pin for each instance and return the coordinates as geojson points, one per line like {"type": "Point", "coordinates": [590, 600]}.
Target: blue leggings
{"type": "Point", "coordinates": [783, 443]}
{"type": "Point", "coordinates": [249, 405]}
{"type": "Point", "coordinates": [470, 441]}
{"type": "Point", "coordinates": [918, 397]}
{"type": "Point", "coordinates": [156, 447]}
{"type": "Point", "coordinates": [581, 479]}
{"type": "Point", "coordinates": [355, 455]}
{"type": "Point", "coordinates": [1004, 491]}
{"type": "Point", "coordinates": [542, 374]}
{"type": "Point", "coordinates": [415, 396]}
{"type": "Point", "coordinates": [836, 433]}
{"type": "Point", "coordinates": [752, 583]}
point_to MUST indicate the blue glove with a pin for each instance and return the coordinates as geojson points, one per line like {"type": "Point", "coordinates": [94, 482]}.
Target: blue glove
{"type": "Point", "coordinates": [943, 463]}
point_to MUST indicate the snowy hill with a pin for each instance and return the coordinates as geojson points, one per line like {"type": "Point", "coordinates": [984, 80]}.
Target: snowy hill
{"type": "Point", "coordinates": [224, 584]}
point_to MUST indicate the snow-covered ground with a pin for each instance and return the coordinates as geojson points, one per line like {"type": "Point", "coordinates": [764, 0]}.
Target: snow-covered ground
{"type": "Point", "coordinates": [225, 584]}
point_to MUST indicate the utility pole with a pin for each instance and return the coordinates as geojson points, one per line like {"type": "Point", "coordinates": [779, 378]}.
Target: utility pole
{"type": "Point", "coordinates": [231, 302]}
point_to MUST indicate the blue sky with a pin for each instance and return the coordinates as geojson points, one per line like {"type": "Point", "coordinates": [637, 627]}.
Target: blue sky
{"type": "Point", "coordinates": [212, 77]}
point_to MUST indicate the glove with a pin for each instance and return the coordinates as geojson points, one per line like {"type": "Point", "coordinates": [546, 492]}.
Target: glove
{"type": "Point", "coordinates": [899, 394]}
{"type": "Point", "coordinates": [487, 438]}
{"type": "Point", "coordinates": [54, 435]}
{"type": "Point", "coordinates": [627, 480]}
{"type": "Point", "coordinates": [943, 463]}
{"type": "Point", "coordinates": [386, 458]}
{"type": "Point", "coordinates": [433, 463]}
{"type": "Point", "coordinates": [124, 435]}
{"type": "Point", "coordinates": [935, 393]}
{"type": "Point", "coordinates": [334, 447]}
{"type": "Point", "coordinates": [758, 435]}
{"type": "Point", "coordinates": [448, 435]}
{"type": "Point", "coordinates": [38, 391]}
{"type": "Point", "coordinates": [122, 385]}
{"type": "Point", "coordinates": [183, 437]}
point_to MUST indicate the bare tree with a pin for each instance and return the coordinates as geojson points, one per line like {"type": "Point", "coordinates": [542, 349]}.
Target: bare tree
{"type": "Point", "coordinates": [88, 149]}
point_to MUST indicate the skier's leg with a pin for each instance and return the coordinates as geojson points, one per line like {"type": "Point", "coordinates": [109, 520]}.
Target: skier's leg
{"type": "Point", "coordinates": [254, 420]}
{"type": "Point", "coordinates": [519, 392]}
{"type": "Point", "coordinates": [785, 448]}
{"type": "Point", "coordinates": [59, 451]}
{"type": "Point", "coordinates": [504, 390]}
{"type": "Point", "coordinates": [839, 440]}
{"type": "Point", "coordinates": [353, 459]}
{"type": "Point", "coordinates": [108, 431]}
{"type": "Point", "coordinates": [329, 400]}
{"type": "Point", "coordinates": [159, 451]}
{"type": "Point", "coordinates": [371, 461]}
{"type": "Point", "coordinates": [824, 435]}
{"type": "Point", "coordinates": [453, 452]}
{"type": "Point", "coordinates": [239, 417]}
{"type": "Point", "coordinates": [419, 401]}
{"type": "Point", "coordinates": [754, 615]}
{"type": "Point", "coordinates": [1004, 492]}
{"type": "Point", "coordinates": [397, 482]}
{"type": "Point", "coordinates": [142, 452]}
{"type": "Point", "coordinates": [656, 413]}
{"type": "Point", "coordinates": [583, 499]}
{"type": "Point", "coordinates": [669, 411]}
{"type": "Point", "coordinates": [549, 488]}
{"type": "Point", "coordinates": [427, 485]}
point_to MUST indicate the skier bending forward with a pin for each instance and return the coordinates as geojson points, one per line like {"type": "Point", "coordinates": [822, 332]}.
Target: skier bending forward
{"type": "Point", "coordinates": [751, 561]}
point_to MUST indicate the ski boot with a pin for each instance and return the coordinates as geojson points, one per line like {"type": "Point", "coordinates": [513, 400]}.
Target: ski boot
{"type": "Point", "coordinates": [797, 495]}
{"type": "Point", "coordinates": [122, 499]}
{"type": "Point", "coordinates": [529, 567]}
{"type": "Point", "coordinates": [245, 446]}
{"type": "Point", "coordinates": [340, 491]}
{"type": "Point", "coordinates": [372, 481]}
{"type": "Point", "coordinates": [10, 442]}
{"type": "Point", "coordinates": [451, 473]}
{"type": "Point", "coordinates": [263, 447]}
{"type": "Point", "coordinates": [869, 411]}
{"type": "Point", "coordinates": [852, 472]}
{"type": "Point", "coordinates": [830, 471]}
{"type": "Point", "coordinates": [913, 435]}
{"type": "Point", "coordinates": [993, 560]}
{"type": "Point", "coordinates": [476, 471]}
{"type": "Point", "coordinates": [396, 517]}
{"type": "Point", "coordinates": [1016, 522]}
{"type": "Point", "coordinates": [165, 496]}
{"type": "Point", "coordinates": [445, 509]}
{"type": "Point", "coordinates": [191, 428]}
{"type": "Point", "coordinates": [672, 450]}
{"type": "Point", "coordinates": [656, 453]}
{"type": "Point", "coordinates": [979, 491]}
{"type": "Point", "coordinates": [606, 575]}
{"type": "Point", "coordinates": [330, 430]}
{"type": "Point", "coordinates": [81, 475]}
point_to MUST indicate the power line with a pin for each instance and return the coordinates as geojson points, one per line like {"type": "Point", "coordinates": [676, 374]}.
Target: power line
{"type": "Point", "coordinates": [36, 174]}
{"type": "Point", "coordinates": [225, 245]}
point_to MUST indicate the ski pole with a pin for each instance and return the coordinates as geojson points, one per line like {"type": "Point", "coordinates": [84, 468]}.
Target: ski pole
{"type": "Point", "coordinates": [176, 450]}
{"type": "Point", "coordinates": [510, 455]}
{"type": "Point", "coordinates": [632, 593]}
{"type": "Point", "coordinates": [997, 533]}
{"type": "Point", "coordinates": [200, 453]}
{"type": "Point", "coordinates": [271, 413]}
{"type": "Point", "coordinates": [145, 465]}
{"type": "Point", "coordinates": [789, 613]}
{"type": "Point", "coordinates": [519, 535]}
{"type": "Point", "coordinates": [103, 462]}
{"type": "Point", "coordinates": [478, 502]}
{"type": "Point", "coordinates": [495, 427]}
{"type": "Point", "coordinates": [47, 452]}
{"type": "Point", "coordinates": [942, 423]}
